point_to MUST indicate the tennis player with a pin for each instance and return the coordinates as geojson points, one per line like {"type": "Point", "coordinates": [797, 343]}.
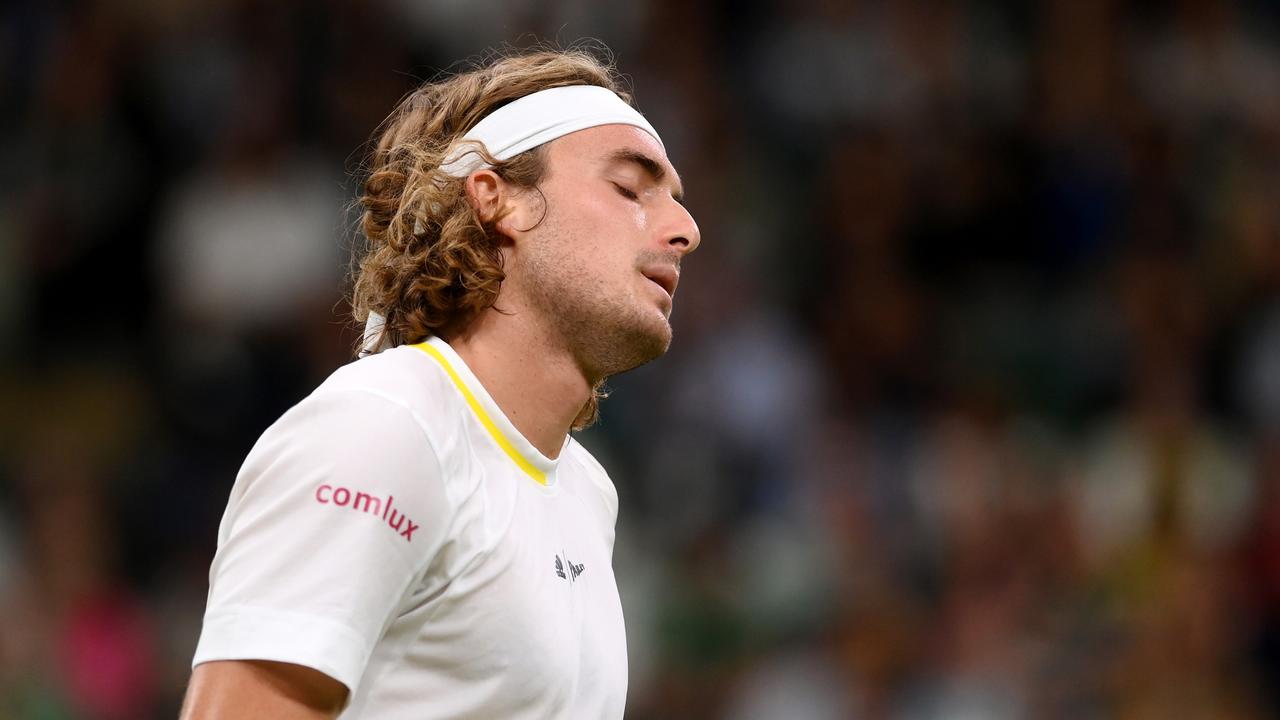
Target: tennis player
{"type": "Point", "coordinates": [421, 537]}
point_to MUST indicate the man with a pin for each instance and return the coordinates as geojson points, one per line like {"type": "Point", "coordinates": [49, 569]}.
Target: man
{"type": "Point", "coordinates": [421, 537]}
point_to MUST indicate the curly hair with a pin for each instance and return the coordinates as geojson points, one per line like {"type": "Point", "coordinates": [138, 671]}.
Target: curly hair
{"type": "Point", "coordinates": [429, 263]}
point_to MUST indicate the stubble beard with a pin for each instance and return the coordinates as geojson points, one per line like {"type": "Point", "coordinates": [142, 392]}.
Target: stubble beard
{"type": "Point", "coordinates": [608, 330]}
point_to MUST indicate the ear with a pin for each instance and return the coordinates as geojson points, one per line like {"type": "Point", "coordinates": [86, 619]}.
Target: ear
{"type": "Point", "coordinates": [495, 198]}
{"type": "Point", "coordinates": [485, 192]}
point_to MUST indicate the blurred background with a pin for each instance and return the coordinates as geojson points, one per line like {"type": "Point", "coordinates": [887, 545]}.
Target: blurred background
{"type": "Point", "coordinates": [974, 402]}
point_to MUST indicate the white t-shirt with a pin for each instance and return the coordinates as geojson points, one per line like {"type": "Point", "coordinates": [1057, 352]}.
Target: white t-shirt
{"type": "Point", "coordinates": [394, 531]}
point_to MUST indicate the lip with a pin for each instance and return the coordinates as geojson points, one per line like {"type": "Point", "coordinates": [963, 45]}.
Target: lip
{"type": "Point", "coordinates": [665, 276]}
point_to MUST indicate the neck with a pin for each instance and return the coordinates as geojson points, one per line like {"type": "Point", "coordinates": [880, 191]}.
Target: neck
{"type": "Point", "coordinates": [535, 380]}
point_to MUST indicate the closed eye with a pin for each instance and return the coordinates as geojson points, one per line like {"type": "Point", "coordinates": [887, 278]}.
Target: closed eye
{"type": "Point", "coordinates": [624, 192]}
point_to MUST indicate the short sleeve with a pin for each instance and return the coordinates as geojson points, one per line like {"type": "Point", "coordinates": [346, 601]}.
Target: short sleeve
{"type": "Point", "coordinates": [337, 511]}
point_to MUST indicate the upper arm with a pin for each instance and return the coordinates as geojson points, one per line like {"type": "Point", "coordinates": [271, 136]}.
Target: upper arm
{"type": "Point", "coordinates": [259, 689]}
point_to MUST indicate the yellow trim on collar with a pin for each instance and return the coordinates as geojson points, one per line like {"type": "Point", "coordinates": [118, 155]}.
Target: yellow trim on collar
{"type": "Point", "coordinates": [533, 472]}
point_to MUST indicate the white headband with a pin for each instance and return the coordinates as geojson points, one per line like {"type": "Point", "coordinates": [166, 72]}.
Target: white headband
{"type": "Point", "coordinates": [539, 118]}
{"type": "Point", "coordinates": [522, 125]}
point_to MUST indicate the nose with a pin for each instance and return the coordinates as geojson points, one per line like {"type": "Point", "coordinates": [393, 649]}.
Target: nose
{"type": "Point", "coordinates": [681, 231]}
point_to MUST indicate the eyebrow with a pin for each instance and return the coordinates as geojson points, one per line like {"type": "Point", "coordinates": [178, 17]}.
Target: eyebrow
{"type": "Point", "coordinates": [651, 167]}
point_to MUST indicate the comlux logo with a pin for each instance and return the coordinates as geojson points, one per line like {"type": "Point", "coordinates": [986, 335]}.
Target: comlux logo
{"type": "Point", "coordinates": [371, 504]}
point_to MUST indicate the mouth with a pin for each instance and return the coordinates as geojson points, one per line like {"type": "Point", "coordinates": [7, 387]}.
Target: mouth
{"type": "Point", "coordinates": [665, 277]}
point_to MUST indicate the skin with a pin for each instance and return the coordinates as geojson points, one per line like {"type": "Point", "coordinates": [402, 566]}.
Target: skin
{"type": "Point", "coordinates": [228, 689]}
{"type": "Point", "coordinates": [587, 257]}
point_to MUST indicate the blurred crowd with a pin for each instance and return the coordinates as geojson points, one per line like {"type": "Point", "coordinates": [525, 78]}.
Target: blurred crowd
{"type": "Point", "coordinates": [973, 409]}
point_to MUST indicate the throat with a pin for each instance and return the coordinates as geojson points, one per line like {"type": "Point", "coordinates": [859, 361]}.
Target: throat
{"type": "Point", "coordinates": [542, 393]}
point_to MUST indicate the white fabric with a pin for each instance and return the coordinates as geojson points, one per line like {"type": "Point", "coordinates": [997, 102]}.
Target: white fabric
{"type": "Point", "coordinates": [466, 616]}
{"type": "Point", "coordinates": [539, 118]}
{"type": "Point", "coordinates": [373, 340]}
{"type": "Point", "coordinates": [522, 125]}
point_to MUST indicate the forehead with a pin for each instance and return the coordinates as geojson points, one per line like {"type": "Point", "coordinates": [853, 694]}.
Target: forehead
{"type": "Point", "coordinates": [601, 144]}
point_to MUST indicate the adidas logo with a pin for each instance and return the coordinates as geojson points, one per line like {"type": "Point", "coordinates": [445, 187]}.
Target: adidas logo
{"type": "Point", "coordinates": [574, 570]}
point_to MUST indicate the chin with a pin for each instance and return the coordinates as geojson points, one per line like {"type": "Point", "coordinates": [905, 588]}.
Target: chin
{"type": "Point", "coordinates": [634, 346]}
{"type": "Point", "coordinates": [651, 344]}
{"type": "Point", "coordinates": [659, 333]}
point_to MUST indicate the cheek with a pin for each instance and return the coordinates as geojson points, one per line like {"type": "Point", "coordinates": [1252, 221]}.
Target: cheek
{"type": "Point", "coordinates": [598, 235]}
{"type": "Point", "coordinates": [618, 224]}
{"type": "Point", "coordinates": [602, 212]}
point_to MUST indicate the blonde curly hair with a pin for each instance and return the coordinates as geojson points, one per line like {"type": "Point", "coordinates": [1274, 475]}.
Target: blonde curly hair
{"type": "Point", "coordinates": [429, 264]}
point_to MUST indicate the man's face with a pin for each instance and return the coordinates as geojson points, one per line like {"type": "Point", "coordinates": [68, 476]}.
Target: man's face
{"type": "Point", "coordinates": [603, 263]}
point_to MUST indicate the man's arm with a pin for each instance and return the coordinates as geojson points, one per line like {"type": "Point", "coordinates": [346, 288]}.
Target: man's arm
{"type": "Point", "coordinates": [260, 689]}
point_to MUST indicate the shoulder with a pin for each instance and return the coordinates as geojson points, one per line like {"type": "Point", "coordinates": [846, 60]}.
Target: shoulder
{"type": "Point", "coordinates": [397, 394]}
{"type": "Point", "coordinates": [374, 405]}
{"type": "Point", "coordinates": [403, 376]}
{"type": "Point", "coordinates": [375, 425]}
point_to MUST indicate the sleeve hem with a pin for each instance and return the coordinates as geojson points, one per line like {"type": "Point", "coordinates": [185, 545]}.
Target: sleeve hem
{"type": "Point", "coordinates": [253, 633]}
